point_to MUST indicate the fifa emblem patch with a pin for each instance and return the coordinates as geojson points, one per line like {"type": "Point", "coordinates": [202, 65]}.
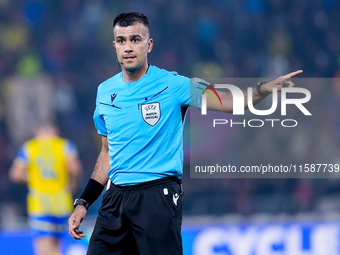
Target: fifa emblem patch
{"type": "Point", "coordinates": [151, 113]}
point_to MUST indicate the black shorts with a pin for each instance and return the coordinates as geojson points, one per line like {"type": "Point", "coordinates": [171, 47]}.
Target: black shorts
{"type": "Point", "coordinates": [143, 219]}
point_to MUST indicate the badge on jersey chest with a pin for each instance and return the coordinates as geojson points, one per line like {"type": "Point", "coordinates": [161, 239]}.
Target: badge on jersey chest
{"type": "Point", "coordinates": [151, 113]}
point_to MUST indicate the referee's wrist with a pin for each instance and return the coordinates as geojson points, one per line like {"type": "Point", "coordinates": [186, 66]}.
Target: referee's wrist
{"type": "Point", "coordinates": [81, 202]}
{"type": "Point", "coordinates": [90, 193]}
{"type": "Point", "coordinates": [259, 90]}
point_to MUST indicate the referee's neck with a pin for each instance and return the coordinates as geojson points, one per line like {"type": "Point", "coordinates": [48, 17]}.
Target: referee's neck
{"type": "Point", "coordinates": [135, 75]}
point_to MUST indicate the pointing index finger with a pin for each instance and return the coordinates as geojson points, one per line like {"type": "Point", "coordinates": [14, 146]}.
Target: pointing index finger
{"type": "Point", "coordinates": [292, 74]}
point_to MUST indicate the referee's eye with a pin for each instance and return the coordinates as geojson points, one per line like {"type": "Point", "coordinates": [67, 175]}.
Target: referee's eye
{"type": "Point", "coordinates": [120, 41]}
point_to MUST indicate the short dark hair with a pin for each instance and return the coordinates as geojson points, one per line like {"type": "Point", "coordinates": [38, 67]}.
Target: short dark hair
{"type": "Point", "coordinates": [126, 19]}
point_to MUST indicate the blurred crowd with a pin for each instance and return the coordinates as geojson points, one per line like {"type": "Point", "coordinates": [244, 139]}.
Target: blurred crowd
{"type": "Point", "coordinates": [54, 54]}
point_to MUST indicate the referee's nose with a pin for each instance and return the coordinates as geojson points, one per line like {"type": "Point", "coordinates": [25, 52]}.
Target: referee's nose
{"type": "Point", "coordinates": [128, 47]}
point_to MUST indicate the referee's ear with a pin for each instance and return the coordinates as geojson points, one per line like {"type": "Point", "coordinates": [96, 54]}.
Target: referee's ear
{"type": "Point", "coordinates": [150, 44]}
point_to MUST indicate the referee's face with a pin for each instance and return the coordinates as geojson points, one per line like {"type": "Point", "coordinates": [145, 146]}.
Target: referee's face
{"type": "Point", "coordinates": [132, 45]}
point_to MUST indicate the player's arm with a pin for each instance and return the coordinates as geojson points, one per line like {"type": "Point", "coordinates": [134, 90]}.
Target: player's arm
{"type": "Point", "coordinates": [258, 93]}
{"type": "Point", "coordinates": [92, 191]}
{"type": "Point", "coordinates": [74, 168]}
{"type": "Point", "coordinates": [18, 172]}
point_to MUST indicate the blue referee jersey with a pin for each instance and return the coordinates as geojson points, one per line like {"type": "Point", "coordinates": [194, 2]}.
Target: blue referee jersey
{"type": "Point", "coordinates": [143, 122]}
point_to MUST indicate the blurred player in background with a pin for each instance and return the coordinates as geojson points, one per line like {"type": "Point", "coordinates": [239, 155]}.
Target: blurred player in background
{"type": "Point", "coordinates": [50, 166]}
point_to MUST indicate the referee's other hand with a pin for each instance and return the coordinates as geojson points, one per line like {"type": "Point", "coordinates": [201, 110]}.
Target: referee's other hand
{"type": "Point", "coordinates": [280, 82]}
{"type": "Point", "coordinates": [74, 222]}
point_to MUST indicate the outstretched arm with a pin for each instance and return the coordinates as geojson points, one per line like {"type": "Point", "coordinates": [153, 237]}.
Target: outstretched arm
{"type": "Point", "coordinates": [99, 175]}
{"type": "Point", "coordinates": [257, 96]}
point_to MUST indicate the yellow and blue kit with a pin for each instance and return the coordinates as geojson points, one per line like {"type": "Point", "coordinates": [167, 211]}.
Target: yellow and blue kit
{"type": "Point", "coordinates": [49, 201]}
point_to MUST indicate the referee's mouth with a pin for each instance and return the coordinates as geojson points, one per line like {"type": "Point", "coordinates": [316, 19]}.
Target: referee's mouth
{"type": "Point", "coordinates": [129, 57]}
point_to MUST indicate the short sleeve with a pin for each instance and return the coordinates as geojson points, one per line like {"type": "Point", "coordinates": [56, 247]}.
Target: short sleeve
{"type": "Point", "coordinates": [188, 91]}
{"type": "Point", "coordinates": [181, 88]}
{"type": "Point", "coordinates": [21, 156]}
{"type": "Point", "coordinates": [197, 87]}
{"type": "Point", "coordinates": [70, 149]}
{"type": "Point", "coordinates": [98, 119]}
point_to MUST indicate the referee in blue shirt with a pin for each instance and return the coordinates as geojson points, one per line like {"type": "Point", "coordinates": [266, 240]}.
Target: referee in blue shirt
{"type": "Point", "coordinates": [140, 115]}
